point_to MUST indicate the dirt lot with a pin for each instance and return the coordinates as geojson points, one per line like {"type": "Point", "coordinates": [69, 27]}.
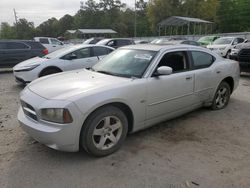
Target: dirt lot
{"type": "Point", "coordinates": [209, 149]}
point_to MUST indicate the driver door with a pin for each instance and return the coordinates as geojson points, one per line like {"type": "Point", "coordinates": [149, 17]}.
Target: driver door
{"type": "Point", "coordinates": [168, 94]}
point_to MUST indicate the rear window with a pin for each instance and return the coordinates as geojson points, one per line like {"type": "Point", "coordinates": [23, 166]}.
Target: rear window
{"type": "Point", "coordinates": [202, 59]}
{"type": "Point", "coordinates": [35, 45]}
{"type": "Point", "coordinates": [16, 45]}
{"type": "Point", "coordinates": [44, 41]}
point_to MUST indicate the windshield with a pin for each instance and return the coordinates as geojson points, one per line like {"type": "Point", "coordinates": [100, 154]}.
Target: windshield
{"type": "Point", "coordinates": [223, 41]}
{"type": "Point", "coordinates": [125, 63]}
{"type": "Point", "coordinates": [103, 42]}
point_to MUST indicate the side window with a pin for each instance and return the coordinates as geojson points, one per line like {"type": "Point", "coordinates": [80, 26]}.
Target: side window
{"type": "Point", "coordinates": [240, 40]}
{"type": "Point", "coordinates": [82, 53]}
{"type": "Point", "coordinates": [202, 59]}
{"type": "Point", "coordinates": [100, 51]}
{"type": "Point", "coordinates": [176, 60]}
{"type": "Point", "coordinates": [44, 40]}
{"type": "Point", "coordinates": [16, 46]}
{"type": "Point", "coordinates": [2, 46]}
{"type": "Point", "coordinates": [55, 42]}
{"type": "Point", "coordinates": [123, 42]}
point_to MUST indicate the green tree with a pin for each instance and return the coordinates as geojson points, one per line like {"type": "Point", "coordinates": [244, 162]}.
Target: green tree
{"type": "Point", "coordinates": [7, 31]}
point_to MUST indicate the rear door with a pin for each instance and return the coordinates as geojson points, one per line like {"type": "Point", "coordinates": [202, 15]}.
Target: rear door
{"type": "Point", "coordinates": [15, 52]}
{"type": "Point", "coordinates": [206, 77]}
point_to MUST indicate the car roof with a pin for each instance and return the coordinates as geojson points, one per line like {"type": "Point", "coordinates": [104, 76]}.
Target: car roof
{"type": "Point", "coordinates": [156, 47]}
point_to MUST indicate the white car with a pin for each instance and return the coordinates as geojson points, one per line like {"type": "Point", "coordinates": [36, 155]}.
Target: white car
{"type": "Point", "coordinates": [52, 44]}
{"type": "Point", "coordinates": [224, 45]}
{"type": "Point", "coordinates": [131, 89]}
{"type": "Point", "coordinates": [66, 59]}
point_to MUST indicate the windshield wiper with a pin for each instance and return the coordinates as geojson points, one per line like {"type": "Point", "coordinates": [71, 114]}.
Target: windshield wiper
{"type": "Point", "coordinates": [106, 72]}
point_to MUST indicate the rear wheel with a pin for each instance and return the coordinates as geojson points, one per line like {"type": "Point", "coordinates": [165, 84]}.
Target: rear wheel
{"type": "Point", "coordinates": [49, 71]}
{"type": "Point", "coordinates": [104, 131]}
{"type": "Point", "coordinates": [222, 96]}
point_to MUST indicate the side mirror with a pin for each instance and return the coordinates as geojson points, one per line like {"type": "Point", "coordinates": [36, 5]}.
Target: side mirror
{"type": "Point", "coordinates": [163, 70]}
{"type": "Point", "coordinates": [72, 56]}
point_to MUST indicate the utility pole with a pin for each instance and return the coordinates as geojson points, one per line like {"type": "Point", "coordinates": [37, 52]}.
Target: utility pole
{"type": "Point", "coordinates": [135, 29]}
{"type": "Point", "coordinates": [15, 19]}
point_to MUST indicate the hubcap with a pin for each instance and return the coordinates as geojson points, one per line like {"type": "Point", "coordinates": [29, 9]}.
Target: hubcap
{"type": "Point", "coordinates": [221, 97]}
{"type": "Point", "coordinates": [107, 132]}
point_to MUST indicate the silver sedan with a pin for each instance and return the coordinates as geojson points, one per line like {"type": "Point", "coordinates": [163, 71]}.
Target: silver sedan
{"type": "Point", "coordinates": [131, 89]}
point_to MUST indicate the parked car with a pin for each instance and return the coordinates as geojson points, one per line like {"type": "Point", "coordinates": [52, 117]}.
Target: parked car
{"type": "Point", "coordinates": [15, 51]}
{"type": "Point", "coordinates": [244, 58]}
{"type": "Point", "coordinates": [116, 42]}
{"type": "Point", "coordinates": [52, 44]}
{"type": "Point", "coordinates": [175, 42]}
{"type": "Point", "coordinates": [235, 51]}
{"type": "Point", "coordinates": [206, 40]}
{"type": "Point", "coordinates": [92, 40]}
{"type": "Point", "coordinates": [224, 45]}
{"type": "Point", "coordinates": [69, 58]}
{"type": "Point", "coordinates": [131, 89]}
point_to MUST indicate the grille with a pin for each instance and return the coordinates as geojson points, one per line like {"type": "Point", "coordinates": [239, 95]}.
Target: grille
{"type": "Point", "coordinates": [244, 55]}
{"type": "Point", "coordinates": [29, 110]}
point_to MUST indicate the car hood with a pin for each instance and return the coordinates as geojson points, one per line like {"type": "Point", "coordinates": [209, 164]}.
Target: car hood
{"type": "Point", "coordinates": [62, 86]}
{"type": "Point", "coordinates": [29, 62]}
{"type": "Point", "coordinates": [216, 46]}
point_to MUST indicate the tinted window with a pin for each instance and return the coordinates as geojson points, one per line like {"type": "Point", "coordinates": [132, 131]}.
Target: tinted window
{"type": "Point", "coordinates": [44, 41]}
{"type": "Point", "coordinates": [100, 51]}
{"type": "Point", "coordinates": [2, 45]}
{"type": "Point", "coordinates": [176, 60]}
{"type": "Point", "coordinates": [82, 53]}
{"type": "Point", "coordinates": [16, 45]}
{"type": "Point", "coordinates": [202, 59]}
{"type": "Point", "coordinates": [123, 42]}
{"type": "Point", "coordinates": [35, 45]}
{"type": "Point", "coordinates": [240, 40]}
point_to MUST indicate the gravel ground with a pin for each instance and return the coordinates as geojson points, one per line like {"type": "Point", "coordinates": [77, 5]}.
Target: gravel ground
{"type": "Point", "coordinates": [208, 149]}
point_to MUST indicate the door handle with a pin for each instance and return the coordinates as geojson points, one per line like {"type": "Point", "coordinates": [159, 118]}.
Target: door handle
{"type": "Point", "coordinates": [218, 72]}
{"type": "Point", "coordinates": [189, 78]}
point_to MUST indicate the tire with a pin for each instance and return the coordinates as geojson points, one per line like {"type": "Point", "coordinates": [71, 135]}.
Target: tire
{"type": "Point", "coordinates": [228, 54]}
{"type": "Point", "coordinates": [104, 131]}
{"type": "Point", "coordinates": [49, 71]}
{"type": "Point", "coordinates": [221, 97]}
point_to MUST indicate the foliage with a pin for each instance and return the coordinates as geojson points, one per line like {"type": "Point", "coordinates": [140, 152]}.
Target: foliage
{"type": "Point", "coordinates": [229, 16]}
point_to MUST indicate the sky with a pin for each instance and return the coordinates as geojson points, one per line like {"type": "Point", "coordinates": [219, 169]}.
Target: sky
{"type": "Point", "coordinates": [38, 11]}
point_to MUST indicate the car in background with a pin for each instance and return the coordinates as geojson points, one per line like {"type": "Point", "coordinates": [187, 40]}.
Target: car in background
{"type": "Point", "coordinates": [244, 58]}
{"type": "Point", "coordinates": [131, 89]}
{"type": "Point", "coordinates": [52, 44]}
{"type": "Point", "coordinates": [235, 51]}
{"type": "Point", "coordinates": [116, 42]}
{"type": "Point", "coordinates": [175, 42]}
{"type": "Point", "coordinates": [13, 52]}
{"type": "Point", "coordinates": [66, 59]}
{"type": "Point", "coordinates": [93, 40]}
{"type": "Point", "coordinates": [206, 40]}
{"type": "Point", "coordinates": [224, 45]}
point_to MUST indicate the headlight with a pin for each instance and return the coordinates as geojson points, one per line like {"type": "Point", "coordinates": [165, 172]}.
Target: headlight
{"type": "Point", "coordinates": [56, 115]}
{"type": "Point", "coordinates": [26, 68]}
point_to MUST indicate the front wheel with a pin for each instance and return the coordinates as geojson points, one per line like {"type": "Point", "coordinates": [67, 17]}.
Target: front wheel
{"type": "Point", "coordinates": [104, 131]}
{"type": "Point", "coordinates": [222, 96]}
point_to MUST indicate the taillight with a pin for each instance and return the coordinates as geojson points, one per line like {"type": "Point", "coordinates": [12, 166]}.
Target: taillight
{"type": "Point", "coordinates": [45, 51]}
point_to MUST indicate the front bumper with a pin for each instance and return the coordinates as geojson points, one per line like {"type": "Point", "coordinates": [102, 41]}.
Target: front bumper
{"type": "Point", "coordinates": [25, 77]}
{"type": "Point", "coordinates": [64, 137]}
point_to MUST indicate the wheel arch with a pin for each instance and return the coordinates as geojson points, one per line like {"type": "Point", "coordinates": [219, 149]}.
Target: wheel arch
{"type": "Point", "coordinates": [230, 82]}
{"type": "Point", "coordinates": [49, 67]}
